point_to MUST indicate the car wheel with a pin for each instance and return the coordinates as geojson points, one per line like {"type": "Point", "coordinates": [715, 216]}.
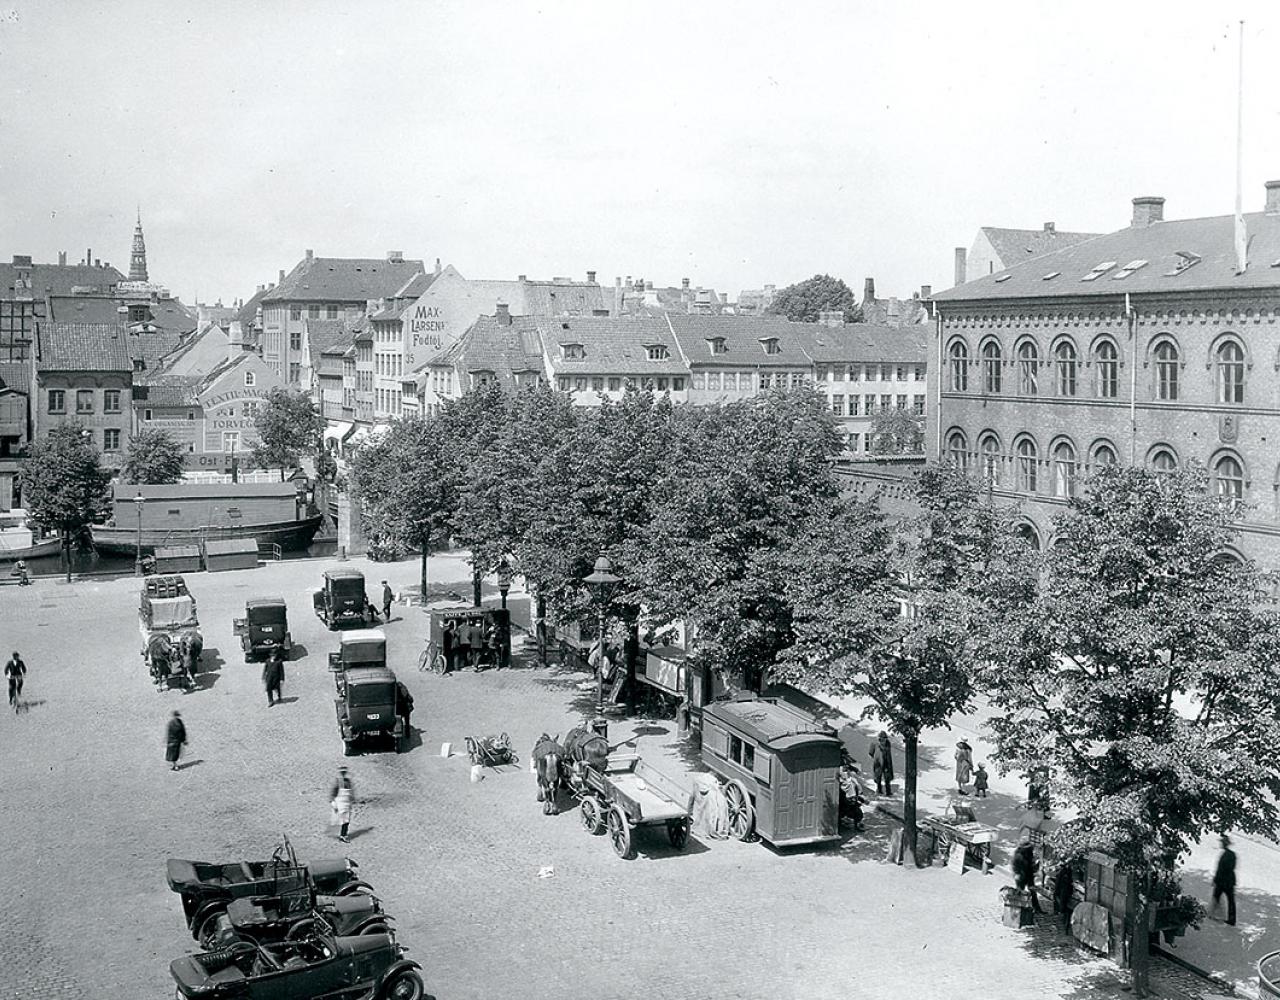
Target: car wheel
{"type": "Point", "coordinates": [406, 985]}
{"type": "Point", "coordinates": [207, 932]}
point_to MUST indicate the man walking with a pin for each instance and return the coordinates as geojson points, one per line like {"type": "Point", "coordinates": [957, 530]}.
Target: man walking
{"type": "Point", "coordinates": [1025, 866]}
{"type": "Point", "coordinates": [387, 598]}
{"type": "Point", "coordinates": [342, 797]}
{"type": "Point", "coordinates": [447, 637]}
{"type": "Point", "coordinates": [882, 764]}
{"type": "Point", "coordinates": [175, 738]}
{"type": "Point", "coordinates": [14, 671]}
{"type": "Point", "coordinates": [273, 675]}
{"type": "Point", "coordinates": [1224, 881]}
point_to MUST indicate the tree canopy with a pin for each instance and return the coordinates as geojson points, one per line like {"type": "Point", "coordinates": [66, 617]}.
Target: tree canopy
{"type": "Point", "coordinates": [155, 458]}
{"type": "Point", "coordinates": [896, 431]}
{"type": "Point", "coordinates": [64, 485]}
{"type": "Point", "coordinates": [803, 301]}
{"type": "Point", "coordinates": [288, 426]}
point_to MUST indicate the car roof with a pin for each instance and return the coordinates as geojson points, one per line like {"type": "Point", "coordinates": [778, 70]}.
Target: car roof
{"type": "Point", "coordinates": [363, 635]}
{"type": "Point", "coordinates": [370, 675]}
{"type": "Point", "coordinates": [265, 602]}
{"type": "Point", "coordinates": [343, 573]}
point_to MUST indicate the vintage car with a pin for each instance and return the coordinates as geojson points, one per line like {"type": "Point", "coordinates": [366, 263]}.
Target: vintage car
{"type": "Point", "coordinates": [366, 691]}
{"type": "Point", "coordinates": [295, 914]}
{"type": "Point", "coordinates": [207, 888]}
{"type": "Point", "coordinates": [342, 600]}
{"type": "Point", "coordinates": [264, 627]}
{"type": "Point", "coordinates": [367, 967]}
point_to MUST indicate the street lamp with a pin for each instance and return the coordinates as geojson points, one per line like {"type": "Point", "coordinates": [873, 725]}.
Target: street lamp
{"type": "Point", "coordinates": [504, 580]}
{"type": "Point", "coordinates": [139, 501]}
{"type": "Point", "coordinates": [600, 580]}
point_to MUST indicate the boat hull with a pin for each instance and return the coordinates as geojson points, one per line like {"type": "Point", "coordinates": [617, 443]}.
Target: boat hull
{"type": "Point", "coordinates": [48, 547]}
{"type": "Point", "coordinates": [291, 536]}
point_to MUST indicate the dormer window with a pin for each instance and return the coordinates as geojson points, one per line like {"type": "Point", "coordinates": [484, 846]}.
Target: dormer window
{"type": "Point", "coordinates": [572, 352]}
{"type": "Point", "coordinates": [770, 345]}
{"type": "Point", "coordinates": [1099, 271]}
{"type": "Point", "coordinates": [250, 378]}
{"type": "Point", "coordinates": [717, 345]}
{"type": "Point", "coordinates": [1128, 269]}
{"type": "Point", "coordinates": [138, 314]}
{"type": "Point", "coordinates": [657, 352]}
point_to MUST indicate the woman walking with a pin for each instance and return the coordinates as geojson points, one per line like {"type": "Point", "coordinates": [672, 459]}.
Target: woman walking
{"type": "Point", "coordinates": [175, 738]}
{"type": "Point", "coordinates": [342, 797]}
{"type": "Point", "coordinates": [964, 765]}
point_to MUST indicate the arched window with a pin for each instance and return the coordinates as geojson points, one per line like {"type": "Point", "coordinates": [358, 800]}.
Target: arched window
{"type": "Point", "coordinates": [957, 450]}
{"type": "Point", "coordinates": [1228, 473]}
{"type": "Point", "coordinates": [1064, 469]}
{"type": "Point", "coordinates": [1065, 361]}
{"type": "Point", "coordinates": [991, 366]}
{"type": "Point", "coordinates": [1028, 368]}
{"type": "Point", "coordinates": [1162, 458]}
{"type": "Point", "coordinates": [989, 456]}
{"type": "Point", "coordinates": [1167, 365]}
{"type": "Point", "coordinates": [1107, 358]}
{"type": "Point", "coordinates": [959, 355]}
{"type": "Point", "coordinates": [1104, 453]}
{"type": "Point", "coordinates": [1027, 457]}
{"type": "Point", "coordinates": [1028, 533]}
{"type": "Point", "coordinates": [1230, 363]}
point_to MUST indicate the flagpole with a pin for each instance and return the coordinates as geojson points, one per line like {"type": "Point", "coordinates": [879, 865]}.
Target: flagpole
{"type": "Point", "coordinates": [1241, 237]}
{"type": "Point", "coordinates": [1133, 381]}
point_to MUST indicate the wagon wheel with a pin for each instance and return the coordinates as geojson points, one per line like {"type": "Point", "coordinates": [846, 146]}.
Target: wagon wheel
{"type": "Point", "coordinates": [620, 834]}
{"type": "Point", "coordinates": [305, 928]}
{"type": "Point", "coordinates": [473, 751]}
{"type": "Point", "coordinates": [589, 813]}
{"type": "Point", "coordinates": [742, 816]}
{"type": "Point", "coordinates": [678, 833]}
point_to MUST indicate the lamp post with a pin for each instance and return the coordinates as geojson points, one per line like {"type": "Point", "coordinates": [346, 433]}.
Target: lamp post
{"type": "Point", "coordinates": [600, 579]}
{"type": "Point", "coordinates": [139, 501]}
{"type": "Point", "coordinates": [504, 580]}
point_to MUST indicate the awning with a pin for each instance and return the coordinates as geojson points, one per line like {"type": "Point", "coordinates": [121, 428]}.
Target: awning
{"type": "Point", "coordinates": [338, 431]}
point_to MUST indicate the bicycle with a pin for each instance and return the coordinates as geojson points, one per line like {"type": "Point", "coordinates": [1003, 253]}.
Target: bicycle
{"type": "Point", "coordinates": [431, 658]}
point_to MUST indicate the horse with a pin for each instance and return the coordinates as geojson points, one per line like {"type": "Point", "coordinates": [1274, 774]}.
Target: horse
{"type": "Point", "coordinates": [160, 656]}
{"type": "Point", "coordinates": [582, 746]}
{"type": "Point", "coordinates": [192, 646]}
{"type": "Point", "coordinates": [547, 755]}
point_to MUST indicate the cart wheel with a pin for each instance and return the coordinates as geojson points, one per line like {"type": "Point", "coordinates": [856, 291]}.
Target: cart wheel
{"type": "Point", "coordinates": [620, 834]}
{"type": "Point", "coordinates": [678, 833]}
{"type": "Point", "coordinates": [742, 816]}
{"type": "Point", "coordinates": [304, 928]}
{"type": "Point", "coordinates": [589, 812]}
{"type": "Point", "coordinates": [473, 751]}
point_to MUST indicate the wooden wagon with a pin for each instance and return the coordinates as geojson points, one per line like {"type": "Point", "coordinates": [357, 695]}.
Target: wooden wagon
{"type": "Point", "coordinates": [630, 793]}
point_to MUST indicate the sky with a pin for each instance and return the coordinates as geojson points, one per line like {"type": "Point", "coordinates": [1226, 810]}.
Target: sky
{"type": "Point", "coordinates": [736, 144]}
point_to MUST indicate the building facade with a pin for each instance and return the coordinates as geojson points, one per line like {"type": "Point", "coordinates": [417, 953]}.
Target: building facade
{"type": "Point", "coordinates": [1142, 347]}
{"type": "Point", "coordinates": [84, 373]}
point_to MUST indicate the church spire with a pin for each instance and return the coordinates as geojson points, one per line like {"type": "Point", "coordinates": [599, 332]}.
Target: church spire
{"type": "Point", "coordinates": [138, 258]}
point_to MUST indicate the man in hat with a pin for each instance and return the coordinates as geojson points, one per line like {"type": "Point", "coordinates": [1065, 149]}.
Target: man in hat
{"type": "Point", "coordinates": [273, 675]}
{"type": "Point", "coordinates": [387, 598]}
{"type": "Point", "coordinates": [15, 670]}
{"type": "Point", "coordinates": [342, 796]}
{"type": "Point", "coordinates": [1224, 880]}
{"type": "Point", "coordinates": [175, 738]}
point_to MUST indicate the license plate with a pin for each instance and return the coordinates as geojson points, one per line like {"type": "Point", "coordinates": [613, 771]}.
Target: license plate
{"type": "Point", "coordinates": [268, 628]}
{"type": "Point", "coordinates": [373, 715]}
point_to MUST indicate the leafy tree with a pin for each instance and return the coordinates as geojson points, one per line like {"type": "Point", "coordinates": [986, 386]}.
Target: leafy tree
{"type": "Point", "coordinates": [288, 425]}
{"type": "Point", "coordinates": [895, 431]}
{"type": "Point", "coordinates": [803, 301]}
{"type": "Point", "coordinates": [64, 485]}
{"type": "Point", "coordinates": [847, 579]}
{"type": "Point", "coordinates": [155, 458]}
{"type": "Point", "coordinates": [406, 485]}
{"type": "Point", "coordinates": [1146, 675]}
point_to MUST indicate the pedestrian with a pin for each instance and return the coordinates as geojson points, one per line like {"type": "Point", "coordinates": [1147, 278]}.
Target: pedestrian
{"type": "Point", "coordinates": [462, 644]}
{"type": "Point", "coordinates": [404, 706]}
{"type": "Point", "coordinates": [964, 765]}
{"type": "Point", "coordinates": [1064, 895]}
{"type": "Point", "coordinates": [387, 598]}
{"type": "Point", "coordinates": [1224, 881]}
{"type": "Point", "coordinates": [14, 671]}
{"type": "Point", "coordinates": [20, 571]}
{"type": "Point", "coordinates": [341, 799]}
{"type": "Point", "coordinates": [475, 642]}
{"type": "Point", "coordinates": [273, 675]}
{"type": "Point", "coordinates": [980, 782]}
{"type": "Point", "coordinates": [175, 738]}
{"type": "Point", "coordinates": [882, 764]}
{"type": "Point", "coordinates": [1025, 867]}
{"type": "Point", "coordinates": [447, 641]}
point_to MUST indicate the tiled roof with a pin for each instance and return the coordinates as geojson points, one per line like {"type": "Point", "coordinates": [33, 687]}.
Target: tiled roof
{"type": "Point", "coordinates": [343, 279]}
{"type": "Point", "coordinates": [743, 337]}
{"type": "Point", "coordinates": [561, 298]}
{"type": "Point", "coordinates": [1016, 245]}
{"type": "Point", "coordinates": [150, 348]}
{"type": "Point", "coordinates": [15, 375]}
{"type": "Point", "coordinates": [415, 286]}
{"type": "Point", "coordinates": [867, 342]}
{"type": "Point", "coordinates": [166, 314]}
{"type": "Point", "coordinates": [249, 311]}
{"type": "Point", "coordinates": [490, 346]}
{"type": "Point", "coordinates": [170, 390]}
{"type": "Point", "coordinates": [1166, 247]}
{"type": "Point", "coordinates": [323, 334]}
{"type": "Point", "coordinates": [60, 278]}
{"type": "Point", "coordinates": [612, 345]}
{"type": "Point", "coordinates": [84, 347]}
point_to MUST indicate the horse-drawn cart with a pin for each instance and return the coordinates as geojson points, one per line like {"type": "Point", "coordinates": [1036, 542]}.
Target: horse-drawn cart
{"type": "Point", "coordinates": [628, 793]}
{"type": "Point", "coordinates": [171, 639]}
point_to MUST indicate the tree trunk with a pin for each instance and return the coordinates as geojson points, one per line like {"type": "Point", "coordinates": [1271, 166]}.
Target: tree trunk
{"type": "Point", "coordinates": [1139, 951]}
{"type": "Point", "coordinates": [541, 625]}
{"type": "Point", "coordinates": [631, 650]}
{"type": "Point", "coordinates": [426, 547]}
{"type": "Point", "coordinates": [910, 765]}
{"type": "Point", "coordinates": [475, 585]}
{"type": "Point", "coordinates": [66, 552]}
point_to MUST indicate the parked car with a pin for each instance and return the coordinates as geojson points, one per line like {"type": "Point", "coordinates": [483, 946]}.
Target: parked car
{"type": "Point", "coordinates": [366, 691]}
{"type": "Point", "coordinates": [264, 627]}
{"type": "Point", "coordinates": [207, 888]}
{"type": "Point", "coordinates": [324, 966]}
{"type": "Point", "coordinates": [342, 600]}
{"type": "Point", "coordinates": [295, 914]}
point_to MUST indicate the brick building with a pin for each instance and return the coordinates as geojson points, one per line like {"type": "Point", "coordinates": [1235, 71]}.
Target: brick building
{"type": "Point", "coordinates": [1142, 346]}
{"type": "Point", "coordinates": [84, 372]}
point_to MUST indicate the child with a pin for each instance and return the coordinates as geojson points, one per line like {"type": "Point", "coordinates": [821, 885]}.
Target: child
{"type": "Point", "coordinates": [980, 782]}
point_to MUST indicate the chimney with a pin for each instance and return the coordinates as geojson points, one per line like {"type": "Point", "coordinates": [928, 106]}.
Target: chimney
{"type": "Point", "coordinates": [88, 257]}
{"type": "Point", "coordinates": [395, 256]}
{"type": "Point", "coordinates": [1273, 197]}
{"type": "Point", "coordinates": [869, 290]}
{"type": "Point", "coordinates": [97, 262]}
{"type": "Point", "coordinates": [684, 283]}
{"type": "Point", "coordinates": [437, 267]}
{"type": "Point", "coordinates": [617, 296]}
{"type": "Point", "coordinates": [591, 277]}
{"type": "Point", "coordinates": [962, 264]}
{"type": "Point", "coordinates": [1146, 210]}
{"type": "Point", "coordinates": [926, 291]}
{"type": "Point", "coordinates": [522, 277]}
{"type": "Point", "coordinates": [310, 255]}
{"type": "Point", "coordinates": [1050, 227]}
{"type": "Point", "coordinates": [62, 258]}
{"type": "Point", "coordinates": [280, 280]}
{"type": "Point", "coordinates": [648, 286]}
{"type": "Point", "coordinates": [503, 314]}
